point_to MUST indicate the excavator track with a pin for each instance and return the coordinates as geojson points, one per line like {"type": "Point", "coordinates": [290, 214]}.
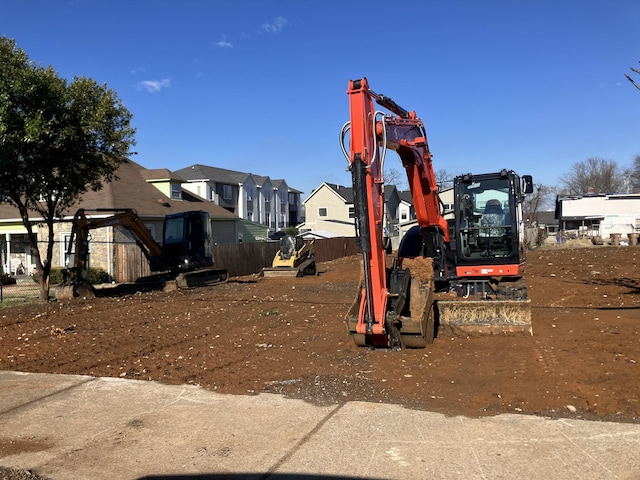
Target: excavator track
{"type": "Point", "coordinates": [205, 277]}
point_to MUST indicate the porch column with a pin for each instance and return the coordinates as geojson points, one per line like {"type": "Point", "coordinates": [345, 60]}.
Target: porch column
{"type": "Point", "coordinates": [7, 258]}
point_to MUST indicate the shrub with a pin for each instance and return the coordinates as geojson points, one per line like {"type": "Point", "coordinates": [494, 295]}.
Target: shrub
{"type": "Point", "coordinates": [97, 275]}
{"type": "Point", "coordinates": [93, 276]}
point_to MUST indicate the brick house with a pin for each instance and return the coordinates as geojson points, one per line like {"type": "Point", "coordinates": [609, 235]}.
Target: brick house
{"type": "Point", "coordinates": [152, 193]}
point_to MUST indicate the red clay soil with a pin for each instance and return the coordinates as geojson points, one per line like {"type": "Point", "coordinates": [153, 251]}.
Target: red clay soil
{"type": "Point", "coordinates": [287, 336]}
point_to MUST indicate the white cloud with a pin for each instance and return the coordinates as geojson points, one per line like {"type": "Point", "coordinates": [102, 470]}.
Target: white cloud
{"type": "Point", "coordinates": [153, 86]}
{"type": "Point", "coordinates": [274, 27]}
{"type": "Point", "coordinates": [224, 43]}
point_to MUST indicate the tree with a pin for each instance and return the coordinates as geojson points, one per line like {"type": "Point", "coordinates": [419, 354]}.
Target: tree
{"type": "Point", "coordinates": [444, 179]}
{"type": "Point", "coordinates": [57, 141]}
{"type": "Point", "coordinates": [594, 175]}
{"type": "Point", "coordinates": [393, 176]}
{"type": "Point", "coordinates": [634, 175]}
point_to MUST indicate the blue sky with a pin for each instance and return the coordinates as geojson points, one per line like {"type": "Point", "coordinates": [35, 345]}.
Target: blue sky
{"type": "Point", "coordinates": [260, 86]}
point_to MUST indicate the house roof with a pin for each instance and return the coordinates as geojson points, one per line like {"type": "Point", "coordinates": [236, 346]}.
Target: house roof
{"type": "Point", "coordinates": [313, 234]}
{"type": "Point", "coordinates": [131, 189]}
{"type": "Point", "coordinates": [546, 217]}
{"type": "Point", "coordinates": [207, 173]}
{"type": "Point", "coordinates": [161, 174]}
{"type": "Point", "coordinates": [405, 196]}
{"type": "Point", "coordinates": [346, 193]}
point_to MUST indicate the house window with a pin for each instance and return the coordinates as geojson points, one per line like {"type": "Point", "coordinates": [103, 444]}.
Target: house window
{"type": "Point", "coordinates": [352, 212]}
{"type": "Point", "coordinates": [176, 191]}
{"type": "Point", "coordinates": [403, 216]}
{"type": "Point", "coordinates": [227, 193]}
{"type": "Point", "coordinates": [152, 230]}
{"type": "Point", "coordinates": [322, 212]}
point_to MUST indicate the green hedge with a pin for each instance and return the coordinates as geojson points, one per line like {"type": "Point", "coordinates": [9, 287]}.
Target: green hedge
{"type": "Point", "coordinates": [93, 275]}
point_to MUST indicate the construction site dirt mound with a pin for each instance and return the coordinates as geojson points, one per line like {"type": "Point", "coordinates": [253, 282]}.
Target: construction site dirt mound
{"type": "Point", "coordinates": [287, 336]}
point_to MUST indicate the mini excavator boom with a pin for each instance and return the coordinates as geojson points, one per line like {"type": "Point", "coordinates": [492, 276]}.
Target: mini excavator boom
{"type": "Point", "coordinates": [397, 305]}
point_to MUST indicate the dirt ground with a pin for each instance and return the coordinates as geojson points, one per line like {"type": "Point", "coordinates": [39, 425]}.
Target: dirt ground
{"type": "Point", "coordinates": [287, 336]}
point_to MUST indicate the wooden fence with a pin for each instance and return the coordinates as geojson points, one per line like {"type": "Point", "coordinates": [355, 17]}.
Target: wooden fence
{"type": "Point", "coordinates": [237, 258]}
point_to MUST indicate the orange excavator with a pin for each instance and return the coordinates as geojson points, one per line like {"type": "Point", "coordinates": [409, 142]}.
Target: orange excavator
{"type": "Point", "coordinates": [460, 276]}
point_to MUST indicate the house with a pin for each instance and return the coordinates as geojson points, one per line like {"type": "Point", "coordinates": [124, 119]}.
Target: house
{"type": "Point", "coordinates": [330, 208]}
{"type": "Point", "coordinates": [408, 214]}
{"type": "Point", "coordinates": [152, 193]}
{"type": "Point", "coordinates": [599, 215]}
{"type": "Point", "coordinates": [251, 197]}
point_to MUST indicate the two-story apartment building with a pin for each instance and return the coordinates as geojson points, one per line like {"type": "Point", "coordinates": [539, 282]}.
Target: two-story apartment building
{"type": "Point", "coordinates": [251, 197]}
{"type": "Point", "coordinates": [330, 208]}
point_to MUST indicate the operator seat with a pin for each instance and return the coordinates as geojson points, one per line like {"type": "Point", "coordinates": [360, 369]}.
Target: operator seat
{"type": "Point", "coordinates": [287, 247]}
{"type": "Point", "coordinates": [493, 216]}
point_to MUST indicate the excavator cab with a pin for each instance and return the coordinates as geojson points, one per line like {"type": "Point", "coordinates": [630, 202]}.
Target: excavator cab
{"type": "Point", "coordinates": [487, 219]}
{"type": "Point", "coordinates": [187, 241]}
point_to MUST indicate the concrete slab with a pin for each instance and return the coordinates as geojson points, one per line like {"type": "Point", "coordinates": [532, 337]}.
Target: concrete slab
{"type": "Point", "coordinates": [75, 427]}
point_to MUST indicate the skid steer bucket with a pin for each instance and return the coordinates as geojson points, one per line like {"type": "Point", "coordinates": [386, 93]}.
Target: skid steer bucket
{"type": "Point", "coordinates": [308, 267]}
{"type": "Point", "coordinates": [484, 317]}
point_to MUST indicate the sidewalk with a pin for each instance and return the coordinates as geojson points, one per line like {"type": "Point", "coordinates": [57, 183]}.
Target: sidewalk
{"type": "Point", "coordinates": [74, 427]}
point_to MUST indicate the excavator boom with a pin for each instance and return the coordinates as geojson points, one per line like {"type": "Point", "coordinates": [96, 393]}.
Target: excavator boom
{"type": "Point", "coordinates": [380, 320]}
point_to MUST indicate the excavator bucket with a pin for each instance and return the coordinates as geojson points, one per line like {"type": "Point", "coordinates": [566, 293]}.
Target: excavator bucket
{"type": "Point", "coordinates": [416, 322]}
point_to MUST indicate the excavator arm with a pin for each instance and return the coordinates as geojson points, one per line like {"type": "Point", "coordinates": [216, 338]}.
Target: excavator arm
{"type": "Point", "coordinates": [126, 218]}
{"type": "Point", "coordinates": [78, 247]}
{"type": "Point", "coordinates": [371, 134]}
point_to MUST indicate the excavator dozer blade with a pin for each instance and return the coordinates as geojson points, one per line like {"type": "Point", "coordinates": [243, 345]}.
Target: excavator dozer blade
{"type": "Point", "coordinates": [484, 317]}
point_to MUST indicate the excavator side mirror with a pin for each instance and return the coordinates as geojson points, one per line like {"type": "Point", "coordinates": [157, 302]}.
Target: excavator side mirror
{"type": "Point", "coordinates": [527, 184]}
